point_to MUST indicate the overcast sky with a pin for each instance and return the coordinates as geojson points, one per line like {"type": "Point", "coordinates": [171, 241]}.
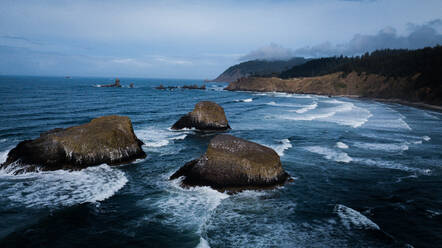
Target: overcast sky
{"type": "Point", "coordinates": [200, 39]}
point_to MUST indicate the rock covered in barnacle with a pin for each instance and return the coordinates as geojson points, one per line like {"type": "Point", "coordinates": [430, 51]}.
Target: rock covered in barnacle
{"type": "Point", "coordinates": [234, 163]}
{"type": "Point", "coordinates": [107, 139]}
{"type": "Point", "coordinates": [206, 116]}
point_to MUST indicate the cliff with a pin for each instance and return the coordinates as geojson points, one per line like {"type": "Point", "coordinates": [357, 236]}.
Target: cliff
{"type": "Point", "coordinates": [352, 84]}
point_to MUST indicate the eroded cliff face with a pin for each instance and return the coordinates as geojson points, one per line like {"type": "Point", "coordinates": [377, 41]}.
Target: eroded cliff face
{"type": "Point", "coordinates": [353, 84]}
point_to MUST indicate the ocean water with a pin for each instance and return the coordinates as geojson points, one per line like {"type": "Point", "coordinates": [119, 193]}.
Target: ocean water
{"type": "Point", "coordinates": [366, 174]}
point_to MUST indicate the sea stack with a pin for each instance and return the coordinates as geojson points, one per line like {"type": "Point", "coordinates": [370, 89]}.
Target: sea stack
{"type": "Point", "coordinates": [107, 139]}
{"type": "Point", "coordinates": [233, 164]}
{"type": "Point", "coordinates": [116, 84]}
{"type": "Point", "coordinates": [206, 116]}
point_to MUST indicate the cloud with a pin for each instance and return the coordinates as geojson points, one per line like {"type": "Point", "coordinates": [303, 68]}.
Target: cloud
{"type": "Point", "coordinates": [270, 52]}
{"type": "Point", "coordinates": [419, 36]}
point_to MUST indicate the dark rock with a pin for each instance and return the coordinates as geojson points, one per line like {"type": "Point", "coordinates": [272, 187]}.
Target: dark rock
{"type": "Point", "coordinates": [161, 87]}
{"type": "Point", "coordinates": [194, 87]}
{"type": "Point", "coordinates": [116, 84]}
{"type": "Point", "coordinates": [108, 139]}
{"type": "Point", "coordinates": [206, 116]}
{"type": "Point", "coordinates": [131, 85]}
{"type": "Point", "coordinates": [232, 164]}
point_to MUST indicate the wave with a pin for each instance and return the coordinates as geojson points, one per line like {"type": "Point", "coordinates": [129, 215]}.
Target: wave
{"type": "Point", "coordinates": [272, 103]}
{"type": "Point", "coordinates": [352, 218]}
{"type": "Point", "coordinates": [383, 164]}
{"type": "Point", "coordinates": [61, 187]}
{"type": "Point", "coordinates": [426, 138]}
{"type": "Point", "coordinates": [343, 113]}
{"type": "Point", "coordinates": [307, 108]}
{"type": "Point", "coordinates": [245, 100]}
{"type": "Point", "coordinates": [156, 137]}
{"type": "Point", "coordinates": [330, 154]}
{"type": "Point", "coordinates": [282, 146]}
{"type": "Point", "coordinates": [341, 145]}
{"type": "Point", "coordinates": [189, 208]}
{"type": "Point", "coordinates": [389, 147]}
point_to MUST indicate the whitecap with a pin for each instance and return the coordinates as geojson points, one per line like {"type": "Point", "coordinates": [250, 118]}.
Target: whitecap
{"type": "Point", "coordinates": [309, 117]}
{"type": "Point", "coordinates": [282, 145]}
{"type": "Point", "coordinates": [189, 207]}
{"type": "Point", "coordinates": [389, 147]}
{"type": "Point", "coordinates": [341, 145]}
{"type": "Point", "coordinates": [272, 103]}
{"type": "Point", "coordinates": [203, 243]}
{"type": "Point", "coordinates": [330, 154]}
{"type": "Point", "coordinates": [307, 108]}
{"type": "Point", "coordinates": [61, 187]}
{"type": "Point", "coordinates": [156, 137]}
{"type": "Point", "coordinates": [384, 164]}
{"type": "Point", "coordinates": [351, 217]}
{"type": "Point", "coordinates": [245, 100]}
{"type": "Point", "coordinates": [4, 155]}
{"type": "Point", "coordinates": [426, 138]}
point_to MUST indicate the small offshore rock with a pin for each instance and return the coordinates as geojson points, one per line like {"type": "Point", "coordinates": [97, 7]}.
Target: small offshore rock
{"type": "Point", "coordinates": [206, 116]}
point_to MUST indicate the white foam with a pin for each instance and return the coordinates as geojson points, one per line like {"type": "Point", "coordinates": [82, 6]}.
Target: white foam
{"type": "Point", "coordinates": [426, 138]}
{"type": "Point", "coordinates": [309, 117]}
{"type": "Point", "coordinates": [389, 147]}
{"type": "Point", "coordinates": [203, 243]}
{"type": "Point", "coordinates": [247, 100]}
{"type": "Point", "coordinates": [307, 108]}
{"type": "Point", "coordinates": [384, 164]}
{"type": "Point", "coordinates": [272, 103]}
{"type": "Point", "coordinates": [190, 207]}
{"type": "Point", "coordinates": [351, 217]}
{"type": "Point", "coordinates": [341, 145]}
{"type": "Point", "coordinates": [283, 145]}
{"type": "Point", "coordinates": [62, 188]}
{"type": "Point", "coordinates": [156, 137]}
{"type": "Point", "coordinates": [2, 140]}
{"type": "Point", "coordinates": [330, 154]}
{"type": "Point", "coordinates": [4, 155]}
{"type": "Point", "coordinates": [342, 113]}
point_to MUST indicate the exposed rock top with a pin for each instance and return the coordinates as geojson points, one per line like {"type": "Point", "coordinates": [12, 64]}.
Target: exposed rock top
{"type": "Point", "coordinates": [108, 139]}
{"type": "Point", "coordinates": [205, 116]}
{"type": "Point", "coordinates": [231, 162]}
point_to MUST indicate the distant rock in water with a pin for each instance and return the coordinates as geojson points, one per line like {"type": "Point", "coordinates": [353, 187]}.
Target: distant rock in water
{"type": "Point", "coordinates": [207, 116]}
{"type": "Point", "coordinates": [116, 84]}
{"type": "Point", "coordinates": [107, 139]}
{"type": "Point", "coordinates": [233, 164]}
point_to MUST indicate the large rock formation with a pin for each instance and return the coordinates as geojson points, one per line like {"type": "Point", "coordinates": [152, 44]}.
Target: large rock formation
{"type": "Point", "coordinates": [205, 116]}
{"type": "Point", "coordinates": [108, 139]}
{"type": "Point", "coordinates": [231, 163]}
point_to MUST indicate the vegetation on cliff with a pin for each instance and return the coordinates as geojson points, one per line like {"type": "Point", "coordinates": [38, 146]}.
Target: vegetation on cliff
{"type": "Point", "coordinates": [257, 68]}
{"type": "Point", "coordinates": [410, 75]}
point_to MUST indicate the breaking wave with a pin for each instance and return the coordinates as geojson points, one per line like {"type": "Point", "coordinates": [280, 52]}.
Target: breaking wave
{"type": "Point", "coordinates": [330, 154]}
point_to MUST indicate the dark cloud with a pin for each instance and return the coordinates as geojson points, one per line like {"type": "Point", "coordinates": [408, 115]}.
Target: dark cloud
{"type": "Point", "coordinates": [419, 36]}
{"type": "Point", "coordinates": [270, 52]}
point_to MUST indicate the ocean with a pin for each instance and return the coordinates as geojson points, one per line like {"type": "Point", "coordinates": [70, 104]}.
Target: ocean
{"type": "Point", "coordinates": [366, 174]}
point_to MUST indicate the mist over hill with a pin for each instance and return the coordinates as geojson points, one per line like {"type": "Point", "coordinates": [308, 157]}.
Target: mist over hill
{"type": "Point", "coordinates": [258, 68]}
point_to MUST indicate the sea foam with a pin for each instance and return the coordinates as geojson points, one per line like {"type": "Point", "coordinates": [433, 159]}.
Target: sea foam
{"type": "Point", "coordinates": [330, 154]}
{"type": "Point", "coordinates": [352, 218]}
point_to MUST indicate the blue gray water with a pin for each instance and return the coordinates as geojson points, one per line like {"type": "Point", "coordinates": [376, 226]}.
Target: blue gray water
{"type": "Point", "coordinates": [367, 174]}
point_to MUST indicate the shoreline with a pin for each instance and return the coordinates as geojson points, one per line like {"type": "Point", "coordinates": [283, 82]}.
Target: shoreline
{"type": "Point", "coordinates": [419, 105]}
